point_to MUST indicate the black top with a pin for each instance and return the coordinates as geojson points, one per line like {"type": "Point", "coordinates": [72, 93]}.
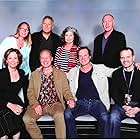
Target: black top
{"type": "Point", "coordinates": [9, 90]}
{"type": "Point", "coordinates": [86, 88]}
{"type": "Point", "coordinates": [38, 43]}
{"type": "Point", "coordinates": [110, 56]}
{"type": "Point", "coordinates": [119, 87]}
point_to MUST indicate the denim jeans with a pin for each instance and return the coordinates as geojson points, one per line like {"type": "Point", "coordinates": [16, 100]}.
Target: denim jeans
{"type": "Point", "coordinates": [93, 107]}
{"type": "Point", "coordinates": [117, 114]}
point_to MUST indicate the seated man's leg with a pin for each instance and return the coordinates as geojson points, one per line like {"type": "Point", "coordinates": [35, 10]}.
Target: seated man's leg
{"type": "Point", "coordinates": [29, 119]}
{"type": "Point", "coordinates": [99, 111]}
{"type": "Point", "coordinates": [70, 114]}
{"type": "Point", "coordinates": [57, 112]}
{"type": "Point", "coordinates": [116, 115]}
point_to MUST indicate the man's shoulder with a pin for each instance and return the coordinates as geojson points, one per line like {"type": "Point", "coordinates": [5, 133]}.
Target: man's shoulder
{"type": "Point", "coordinates": [99, 36]}
{"type": "Point", "coordinates": [118, 71]}
{"type": "Point", "coordinates": [36, 34]}
{"type": "Point", "coordinates": [55, 36]}
{"type": "Point", "coordinates": [115, 32]}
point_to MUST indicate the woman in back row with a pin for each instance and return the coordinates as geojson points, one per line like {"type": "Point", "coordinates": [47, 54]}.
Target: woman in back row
{"type": "Point", "coordinates": [66, 55]}
{"type": "Point", "coordinates": [21, 40]}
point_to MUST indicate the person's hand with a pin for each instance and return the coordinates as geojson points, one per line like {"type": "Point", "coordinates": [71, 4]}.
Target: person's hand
{"type": "Point", "coordinates": [71, 103]}
{"type": "Point", "coordinates": [38, 110]}
{"type": "Point", "coordinates": [17, 109]}
{"type": "Point", "coordinates": [133, 111]}
{"type": "Point", "coordinates": [137, 65]}
{"type": "Point", "coordinates": [127, 108]}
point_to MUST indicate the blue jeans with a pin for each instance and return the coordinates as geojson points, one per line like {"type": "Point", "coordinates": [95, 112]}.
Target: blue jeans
{"type": "Point", "coordinates": [117, 114]}
{"type": "Point", "coordinates": [93, 107]}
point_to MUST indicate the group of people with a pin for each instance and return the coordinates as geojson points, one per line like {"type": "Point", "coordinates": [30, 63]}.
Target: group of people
{"type": "Point", "coordinates": [42, 73]}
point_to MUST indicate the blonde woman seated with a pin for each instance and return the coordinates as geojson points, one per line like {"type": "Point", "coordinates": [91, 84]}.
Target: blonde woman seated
{"type": "Point", "coordinates": [12, 106]}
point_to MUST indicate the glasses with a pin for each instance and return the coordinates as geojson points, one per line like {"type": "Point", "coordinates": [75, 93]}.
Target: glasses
{"type": "Point", "coordinates": [25, 30]}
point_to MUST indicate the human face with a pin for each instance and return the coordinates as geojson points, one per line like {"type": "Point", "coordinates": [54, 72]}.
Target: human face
{"type": "Point", "coordinates": [23, 30]}
{"type": "Point", "coordinates": [126, 58]}
{"type": "Point", "coordinates": [84, 57]}
{"type": "Point", "coordinates": [46, 59]}
{"type": "Point", "coordinates": [12, 60]}
{"type": "Point", "coordinates": [69, 37]}
{"type": "Point", "coordinates": [47, 25]}
{"type": "Point", "coordinates": [108, 23]}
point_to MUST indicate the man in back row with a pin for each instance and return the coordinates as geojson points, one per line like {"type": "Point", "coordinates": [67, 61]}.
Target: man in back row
{"type": "Point", "coordinates": [108, 44]}
{"type": "Point", "coordinates": [43, 39]}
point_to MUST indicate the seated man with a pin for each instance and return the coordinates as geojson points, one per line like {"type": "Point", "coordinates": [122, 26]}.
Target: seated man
{"type": "Point", "coordinates": [90, 86]}
{"type": "Point", "coordinates": [125, 91]}
{"type": "Point", "coordinates": [47, 88]}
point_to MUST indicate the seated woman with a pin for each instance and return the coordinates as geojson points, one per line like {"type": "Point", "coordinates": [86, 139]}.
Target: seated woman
{"type": "Point", "coordinates": [66, 55]}
{"type": "Point", "coordinates": [12, 106]}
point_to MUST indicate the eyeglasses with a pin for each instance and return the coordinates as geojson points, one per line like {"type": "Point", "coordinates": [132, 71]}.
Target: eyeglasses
{"type": "Point", "coordinates": [25, 30]}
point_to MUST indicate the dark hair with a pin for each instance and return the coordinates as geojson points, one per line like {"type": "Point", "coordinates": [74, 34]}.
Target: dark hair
{"type": "Point", "coordinates": [49, 17]}
{"type": "Point", "coordinates": [126, 49]}
{"type": "Point", "coordinates": [45, 49]}
{"type": "Point", "coordinates": [82, 48]}
{"type": "Point", "coordinates": [7, 54]}
{"type": "Point", "coordinates": [77, 40]}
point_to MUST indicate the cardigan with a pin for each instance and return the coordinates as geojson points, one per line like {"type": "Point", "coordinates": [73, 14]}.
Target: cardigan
{"type": "Point", "coordinates": [10, 42]}
{"type": "Point", "coordinates": [9, 93]}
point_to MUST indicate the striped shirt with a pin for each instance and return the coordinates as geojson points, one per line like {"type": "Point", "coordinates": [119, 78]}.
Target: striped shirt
{"type": "Point", "coordinates": [66, 59]}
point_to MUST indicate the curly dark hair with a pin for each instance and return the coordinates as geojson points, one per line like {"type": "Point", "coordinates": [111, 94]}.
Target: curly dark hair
{"type": "Point", "coordinates": [77, 40]}
{"type": "Point", "coordinates": [7, 54]}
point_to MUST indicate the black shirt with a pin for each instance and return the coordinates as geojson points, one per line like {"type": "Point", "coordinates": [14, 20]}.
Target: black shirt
{"type": "Point", "coordinates": [86, 88]}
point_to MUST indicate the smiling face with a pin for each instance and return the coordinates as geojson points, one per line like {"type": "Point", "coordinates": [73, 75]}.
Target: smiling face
{"type": "Point", "coordinates": [69, 37]}
{"type": "Point", "coordinates": [47, 25]}
{"type": "Point", "coordinates": [12, 60]}
{"type": "Point", "coordinates": [127, 58]}
{"type": "Point", "coordinates": [108, 23]}
{"type": "Point", "coordinates": [84, 57]}
{"type": "Point", "coordinates": [23, 30]}
{"type": "Point", "coordinates": [46, 59]}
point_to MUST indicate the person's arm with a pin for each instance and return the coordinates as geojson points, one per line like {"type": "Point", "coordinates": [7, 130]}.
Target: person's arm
{"type": "Point", "coordinates": [66, 88]}
{"type": "Point", "coordinates": [57, 55]}
{"type": "Point", "coordinates": [31, 93]}
{"type": "Point", "coordinates": [115, 90]}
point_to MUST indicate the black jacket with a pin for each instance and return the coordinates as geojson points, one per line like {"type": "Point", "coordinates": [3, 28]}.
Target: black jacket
{"type": "Point", "coordinates": [9, 93]}
{"type": "Point", "coordinates": [35, 49]}
{"type": "Point", "coordinates": [110, 57]}
{"type": "Point", "coordinates": [119, 87]}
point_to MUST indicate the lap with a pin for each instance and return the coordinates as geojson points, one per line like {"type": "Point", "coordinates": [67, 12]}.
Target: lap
{"type": "Point", "coordinates": [10, 123]}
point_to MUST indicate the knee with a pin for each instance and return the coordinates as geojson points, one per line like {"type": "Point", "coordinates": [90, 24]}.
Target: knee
{"type": "Point", "coordinates": [27, 119]}
{"type": "Point", "coordinates": [115, 117]}
{"type": "Point", "coordinates": [105, 117]}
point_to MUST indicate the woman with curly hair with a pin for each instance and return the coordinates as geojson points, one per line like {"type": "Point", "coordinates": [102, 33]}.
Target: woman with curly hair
{"type": "Point", "coordinates": [66, 55]}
